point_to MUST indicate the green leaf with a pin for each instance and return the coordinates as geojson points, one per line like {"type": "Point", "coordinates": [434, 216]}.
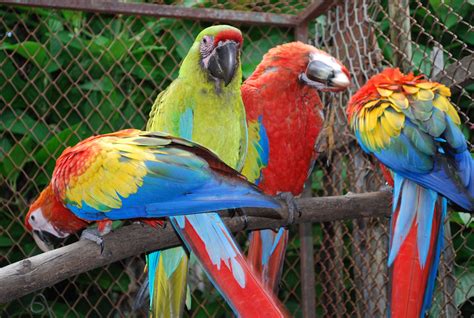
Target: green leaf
{"type": "Point", "coordinates": [29, 50]}
{"type": "Point", "coordinates": [104, 84]}
{"type": "Point", "coordinates": [254, 51]}
{"type": "Point", "coordinates": [73, 17]}
{"type": "Point", "coordinates": [23, 124]}
{"type": "Point", "coordinates": [465, 219]}
{"type": "Point", "coordinates": [5, 241]}
{"type": "Point", "coordinates": [463, 292]}
{"type": "Point", "coordinates": [422, 58]}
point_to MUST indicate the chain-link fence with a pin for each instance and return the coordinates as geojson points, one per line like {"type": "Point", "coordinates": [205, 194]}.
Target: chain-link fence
{"type": "Point", "coordinates": [65, 75]}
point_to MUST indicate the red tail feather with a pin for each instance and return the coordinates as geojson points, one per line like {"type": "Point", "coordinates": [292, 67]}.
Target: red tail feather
{"type": "Point", "coordinates": [270, 273]}
{"type": "Point", "coordinates": [408, 279]}
{"type": "Point", "coordinates": [252, 300]}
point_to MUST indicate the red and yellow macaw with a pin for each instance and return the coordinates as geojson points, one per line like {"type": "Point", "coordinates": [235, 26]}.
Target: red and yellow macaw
{"type": "Point", "coordinates": [410, 125]}
{"type": "Point", "coordinates": [132, 174]}
{"type": "Point", "coordinates": [284, 116]}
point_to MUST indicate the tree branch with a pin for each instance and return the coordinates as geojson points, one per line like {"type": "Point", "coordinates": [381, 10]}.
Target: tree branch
{"type": "Point", "coordinates": [49, 268]}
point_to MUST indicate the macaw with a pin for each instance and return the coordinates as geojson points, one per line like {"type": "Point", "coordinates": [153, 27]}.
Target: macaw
{"type": "Point", "coordinates": [283, 109]}
{"type": "Point", "coordinates": [410, 125]}
{"type": "Point", "coordinates": [132, 174]}
{"type": "Point", "coordinates": [204, 105]}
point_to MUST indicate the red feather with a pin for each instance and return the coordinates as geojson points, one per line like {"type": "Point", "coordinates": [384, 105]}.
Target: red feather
{"type": "Point", "coordinates": [291, 113]}
{"type": "Point", "coordinates": [408, 278]}
{"type": "Point", "coordinates": [228, 35]}
{"type": "Point", "coordinates": [248, 301]}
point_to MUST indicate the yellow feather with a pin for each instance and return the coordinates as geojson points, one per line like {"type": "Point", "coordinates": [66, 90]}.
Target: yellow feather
{"type": "Point", "coordinates": [442, 103]}
{"type": "Point", "coordinates": [443, 90]}
{"type": "Point", "coordinates": [160, 306]}
{"type": "Point", "coordinates": [178, 286]}
{"type": "Point", "coordinates": [384, 92]}
{"type": "Point", "coordinates": [424, 94]}
{"type": "Point", "coordinates": [400, 100]}
{"type": "Point", "coordinates": [386, 136]}
{"type": "Point", "coordinates": [454, 115]}
{"type": "Point", "coordinates": [389, 130]}
{"type": "Point", "coordinates": [371, 103]}
{"type": "Point", "coordinates": [410, 89]}
{"type": "Point", "coordinates": [395, 120]}
{"type": "Point", "coordinates": [371, 117]}
{"type": "Point", "coordinates": [253, 164]}
{"type": "Point", "coordinates": [382, 138]}
{"type": "Point", "coordinates": [426, 85]}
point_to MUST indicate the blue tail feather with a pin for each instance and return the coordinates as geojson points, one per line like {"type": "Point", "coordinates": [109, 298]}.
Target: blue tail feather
{"type": "Point", "coordinates": [428, 298]}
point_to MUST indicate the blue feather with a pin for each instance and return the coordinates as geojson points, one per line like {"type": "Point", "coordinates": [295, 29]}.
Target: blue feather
{"type": "Point", "coordinates": [428, 297]}
{"type": "Point", "coordinates": [220, 246]}
{"type": "Point", "coordinates": [186, 124]}
{"type": "Point", "coordinates": [406, 216]}
{"type": "Point", "coordinates": [152, 262]}
{"type": "Point", "coordinates": [424, 206]}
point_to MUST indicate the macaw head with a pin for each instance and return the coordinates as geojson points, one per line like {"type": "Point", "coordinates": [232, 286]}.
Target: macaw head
{"type": "Point", "coordinates": [311, 66]}
{"type": "Point", "coordinates": [217, 51]}
{"type": "Point", "coordinates": [49, 220]}
{"type": "Point", "coordinates": [388, 79]}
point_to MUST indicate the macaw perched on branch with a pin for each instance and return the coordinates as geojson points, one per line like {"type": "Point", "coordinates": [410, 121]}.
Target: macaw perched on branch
{"type": "Point", "coordinates": [410, 125]}
{"type": "Point", "coordinates": [131, 174]}
{"type": "Point", "coordinates": [284, 116]}
{"type": "Point", "coordinates": [204, 105]}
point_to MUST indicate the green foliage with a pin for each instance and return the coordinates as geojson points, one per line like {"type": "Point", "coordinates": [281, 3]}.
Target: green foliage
{"type": "Point", "coordinates": [65, 75]}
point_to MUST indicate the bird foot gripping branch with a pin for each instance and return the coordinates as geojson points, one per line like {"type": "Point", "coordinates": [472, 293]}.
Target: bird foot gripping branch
{"type": "Point", "coordinates": [293, 210]}
{"type": "Point", "coordinates": [95, 236]}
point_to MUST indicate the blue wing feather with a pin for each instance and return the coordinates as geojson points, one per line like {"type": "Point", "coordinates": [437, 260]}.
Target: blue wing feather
{"type": "Point", "coordinates": [449, 172]}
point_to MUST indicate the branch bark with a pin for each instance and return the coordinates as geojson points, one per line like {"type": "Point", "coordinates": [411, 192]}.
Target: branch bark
{"type": "Point", "coordinates": [47, 269]}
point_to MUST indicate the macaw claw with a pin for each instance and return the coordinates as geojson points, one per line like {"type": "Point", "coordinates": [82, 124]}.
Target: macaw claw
{"type": "Point", "coordinates": [94, 236]}
{"type": "Point", "coordinates": [289, 199]}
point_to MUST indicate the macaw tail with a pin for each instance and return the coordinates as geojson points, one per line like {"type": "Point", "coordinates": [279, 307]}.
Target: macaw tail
{"type": "Point", "coordinates": [167, 274]}
{"type": "Point", "coordinates": [209, 239]}
{"type": "Point", "coordinates": [415, 247]}
{"type": "Point", "coordinates": [267, 254]}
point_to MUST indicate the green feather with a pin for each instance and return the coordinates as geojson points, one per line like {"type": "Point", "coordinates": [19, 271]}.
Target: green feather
{"type": "Point", "coordinates": [422, 141]}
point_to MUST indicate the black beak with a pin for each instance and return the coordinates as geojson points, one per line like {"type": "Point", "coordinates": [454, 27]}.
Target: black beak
{"type": "Point", "coordinates": [45, 240]}
{"type": "Point", "coordinates": [325, 77]}
{"type": "Point", "coordinates": [223, 62]}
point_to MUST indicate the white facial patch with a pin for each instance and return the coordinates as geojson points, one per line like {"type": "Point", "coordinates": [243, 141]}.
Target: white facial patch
{"type": "Point", "coordinates": [40, 223]}
{"type": "Point", "coordinates": [326, 59]}
{"type": "Point", "coordinates": [340, 78]}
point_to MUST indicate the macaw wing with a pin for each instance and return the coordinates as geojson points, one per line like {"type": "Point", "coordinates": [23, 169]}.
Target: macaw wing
{"type": "Point", "coordinates": [418, 136]}
{"type": "Point", "coordinates": [258, 151]}
{"type": "Point", "coordinates": [148, 175]}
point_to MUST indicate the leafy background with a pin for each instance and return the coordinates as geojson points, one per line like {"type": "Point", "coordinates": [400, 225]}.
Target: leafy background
{"type": "Point", "coordinates": [65, 75]}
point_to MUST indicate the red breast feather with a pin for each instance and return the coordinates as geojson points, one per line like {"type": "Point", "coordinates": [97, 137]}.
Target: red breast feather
{"type": "Point", "coordinates": [291, 114]}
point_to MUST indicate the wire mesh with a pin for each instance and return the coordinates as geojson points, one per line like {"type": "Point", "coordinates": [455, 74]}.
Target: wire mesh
{"type": "Point", "coordinates": [65, 75]}
{"type": "Point", "coordinates": [429, 37]}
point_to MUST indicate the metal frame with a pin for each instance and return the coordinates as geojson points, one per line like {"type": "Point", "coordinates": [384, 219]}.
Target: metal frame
{"type": "Point", "coordinates": [315, 9]}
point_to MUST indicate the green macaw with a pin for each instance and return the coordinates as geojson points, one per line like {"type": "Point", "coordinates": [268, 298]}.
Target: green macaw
{"type": "Point", "coordinates": [204, 105]}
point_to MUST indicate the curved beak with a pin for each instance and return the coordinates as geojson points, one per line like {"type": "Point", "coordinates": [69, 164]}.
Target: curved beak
{"type": "Point", "coordinates": [45, 240]}
{"type": "Point", "coordinates": [223, 63]}
{"type": "Point", "coordinates": [326, 74]}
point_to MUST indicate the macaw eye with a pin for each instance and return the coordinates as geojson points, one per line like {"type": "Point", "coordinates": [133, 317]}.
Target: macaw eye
{"type": "Point", "coordinates": [32, 218]}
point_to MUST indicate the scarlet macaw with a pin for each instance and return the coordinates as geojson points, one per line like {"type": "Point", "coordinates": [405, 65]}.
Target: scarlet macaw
{"type": "Point", "coordinates": [284, 116]}
{"type": "Point", "coordinates": [410, 125]}
{"type": "Point", "coordinates": [132, 174]}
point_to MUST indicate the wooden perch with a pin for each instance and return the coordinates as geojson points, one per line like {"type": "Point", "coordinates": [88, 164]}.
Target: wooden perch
{"type": "Point", "coordinates": [49, 268]}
